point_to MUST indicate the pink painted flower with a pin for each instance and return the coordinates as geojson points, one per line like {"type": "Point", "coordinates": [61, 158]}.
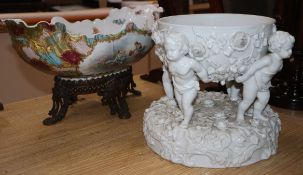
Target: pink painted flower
{"type": "Point", "coordinates": [71, 57]}
{"type": "Point", "coordinates": [80, 47]}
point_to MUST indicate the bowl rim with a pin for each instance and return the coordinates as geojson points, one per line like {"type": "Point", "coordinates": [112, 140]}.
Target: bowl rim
{"type": "Point", "coordinates": [19, 20]}
{"type": "Point", "coordinates": [268, 20]}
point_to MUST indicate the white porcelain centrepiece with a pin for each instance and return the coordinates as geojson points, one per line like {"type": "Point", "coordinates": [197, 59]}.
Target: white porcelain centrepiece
{"type": "Point", "coordinates": [208, 129]}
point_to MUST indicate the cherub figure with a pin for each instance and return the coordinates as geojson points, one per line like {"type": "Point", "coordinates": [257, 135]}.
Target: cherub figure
{"type": "Point", "coordinates": [256, 81]}
{"type": "Point", "coordinates": [183, 70]}
{"type": "Point", "coordinates": [233, 90]}
{"type": "Point", "coordinates": [158, 38]}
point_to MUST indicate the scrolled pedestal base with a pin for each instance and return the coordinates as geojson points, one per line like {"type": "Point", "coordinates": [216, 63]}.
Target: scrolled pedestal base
{"type": "Point", "coordinates": [113, 87]}
{"type": "Point", "coordinates": [214, 138]}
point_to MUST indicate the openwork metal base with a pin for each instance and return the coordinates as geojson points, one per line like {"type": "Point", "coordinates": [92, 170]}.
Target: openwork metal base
{"type": "Point", "coordinates": [113, 87]}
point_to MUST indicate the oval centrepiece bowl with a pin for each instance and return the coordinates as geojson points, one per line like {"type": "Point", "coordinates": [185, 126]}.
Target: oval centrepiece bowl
{"type": "Point", "coordinates": [85, 48]}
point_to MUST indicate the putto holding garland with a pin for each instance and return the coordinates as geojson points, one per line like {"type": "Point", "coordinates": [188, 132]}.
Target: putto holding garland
{"type": "Point", "coordinates": [183, 70]}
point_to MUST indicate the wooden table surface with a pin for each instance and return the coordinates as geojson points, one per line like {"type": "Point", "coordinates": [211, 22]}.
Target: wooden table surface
{"type": "Point", "coordinates": [91, 141]}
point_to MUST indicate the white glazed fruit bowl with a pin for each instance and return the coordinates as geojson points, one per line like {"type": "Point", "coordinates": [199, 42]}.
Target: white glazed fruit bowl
{"type": "Point", "coordinates": [85, 47]}
{"type": "Point", "coordinates": [225, 44]}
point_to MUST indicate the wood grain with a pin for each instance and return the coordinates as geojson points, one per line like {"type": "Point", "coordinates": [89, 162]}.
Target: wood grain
{"type": "Point", "coordinates": [91, 141]}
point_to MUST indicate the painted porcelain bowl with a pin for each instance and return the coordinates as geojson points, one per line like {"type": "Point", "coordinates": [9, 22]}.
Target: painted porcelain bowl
{"type": "Point", "coordinates": [86, 47]}
{"type": "Point", "coordinates": [225, 44]}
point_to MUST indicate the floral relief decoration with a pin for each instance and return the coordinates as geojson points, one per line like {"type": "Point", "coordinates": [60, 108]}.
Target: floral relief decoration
{"type": "Point", "coordinates": [231, 47]}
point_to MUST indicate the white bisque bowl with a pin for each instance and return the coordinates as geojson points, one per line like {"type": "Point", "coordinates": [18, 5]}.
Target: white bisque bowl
{"type": "Point", "coordinates": [86, 47]}
{"type": "Point", "coordinates": [226, 44]}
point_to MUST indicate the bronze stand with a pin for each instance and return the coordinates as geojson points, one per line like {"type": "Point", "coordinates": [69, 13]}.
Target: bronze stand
{"type": "Point", "coordinates": [113, 87]}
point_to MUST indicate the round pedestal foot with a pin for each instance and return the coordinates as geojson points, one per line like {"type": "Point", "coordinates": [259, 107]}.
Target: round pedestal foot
{"type": "Point", "coordinates": [1, 107]}
{"type": "Point", "coordinates": [214, 138]}
{"type": "Point", "coordinates": [135, 92]}
{"type": "Point", "coordinates": [51, 121]}
{"type": "Point", "coordinates": [124, 115]}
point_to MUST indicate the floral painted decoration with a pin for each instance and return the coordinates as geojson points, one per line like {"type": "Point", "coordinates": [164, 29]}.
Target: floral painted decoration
{"type": "Point", "coordinates": [64, 48]}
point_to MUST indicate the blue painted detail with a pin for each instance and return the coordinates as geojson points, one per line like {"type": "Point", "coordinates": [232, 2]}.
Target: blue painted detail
{"type": "Point", "coordinates": [119, 59]}
{"type": "Point", "coordinates": [98, 37]}
{"type": "Point", "coordinates": [22, 40]}
{"type": "Point", "coordinates": [51, 40]}
{"type": "Point", "coordinates": [90, 41]}
{"type": "Point", "coordinates": [51, 58]}
{"type": "Point", "coordinates": [119, 21]}
{"type": "Point", "coordinates": [60, 26]}
{"type": "Point", "coordinates": [101, 37]}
